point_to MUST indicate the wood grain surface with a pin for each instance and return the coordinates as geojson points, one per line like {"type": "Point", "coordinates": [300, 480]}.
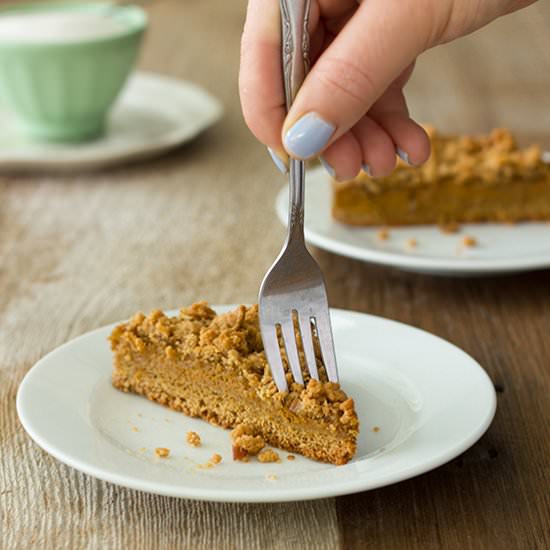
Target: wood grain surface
{"type": "Point", "coordinates": [80, 251]}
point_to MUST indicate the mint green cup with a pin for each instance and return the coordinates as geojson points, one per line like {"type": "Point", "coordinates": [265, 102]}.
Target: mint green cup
{"type": "Point", "coordinates": [63, 90]}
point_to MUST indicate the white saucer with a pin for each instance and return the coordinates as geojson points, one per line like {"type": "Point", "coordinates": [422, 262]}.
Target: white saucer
{"type": "Point", "coordinates": [500, 248]}
{"type": "Point", "coordinates": [153, 115]}
{"type": "Point", "coordinates": [428, 398]}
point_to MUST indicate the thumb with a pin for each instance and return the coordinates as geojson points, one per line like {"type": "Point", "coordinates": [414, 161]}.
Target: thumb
{"type": "Point", "coordinates": [370, 52]}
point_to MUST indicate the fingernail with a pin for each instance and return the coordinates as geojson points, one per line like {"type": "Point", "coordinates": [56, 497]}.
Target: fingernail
{"type": "Point", "coordinates": [366, 169]}
{"type": "Point", "coordinates": [278, 161]}
{"type": "Point", "coordinates": [308, 136]}
{"type": "Point", "coordinates": [331, 171]}
{"type": "Point", "coordinates": [403, 156]}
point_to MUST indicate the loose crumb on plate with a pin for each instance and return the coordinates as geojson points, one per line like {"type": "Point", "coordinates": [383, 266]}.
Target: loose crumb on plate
{"type": "Point", "coordinates": [411, 243]}
{"type": "Point", "coordinates": [375, 429]}
{"type": "Point", "coordinates": [469, 241]}
{"type": "Point", "coordinates": [245, 442]}
{"type": "Point", "coordinates": [162, 452]}
{"type": "Point", "coordinates": [135, 429]}
{"type": "Point", "coordinates": [194, 439]}
{"type": "Point", "coordinates": [449, 228]}
{"type": "Point", "coordinates": [291, 457]}
{"type": "Point", "coordinates": [215, 458]}
{"type": "Point", "coordinates": [272, 477]}
{"type": "Point", "coordinates": [142, 449]}
{"type": "Point", "coordinates": [383, 234]}
{"type": "Point", "coordinates": [269, 455]}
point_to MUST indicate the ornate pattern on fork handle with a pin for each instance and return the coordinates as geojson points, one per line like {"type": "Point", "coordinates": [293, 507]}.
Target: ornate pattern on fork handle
{"type": "Point", "coordinates": [294, 22]}
{"type": "Point", "coordinates": [295, 64]}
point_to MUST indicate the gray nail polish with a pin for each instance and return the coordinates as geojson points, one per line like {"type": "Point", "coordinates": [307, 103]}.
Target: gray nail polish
{"type": "Point", "coordinates": [331, 171]}
{"type": "Point", "coordinates": [403, 155]}
{"type": "Point", "coordinates": [366, 169]}
{"type": "Point", "coordinates": [278, 161]}
{"type": "Point", "coordinates": [308, 136]}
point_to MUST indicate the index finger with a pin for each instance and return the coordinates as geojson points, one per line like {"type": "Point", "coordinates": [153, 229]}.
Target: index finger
{"type": "Point", "coordinates": [260, 78]}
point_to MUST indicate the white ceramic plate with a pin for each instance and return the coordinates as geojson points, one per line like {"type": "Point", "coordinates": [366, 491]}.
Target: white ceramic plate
{"type": "Point", "coordinates": [429, 400]}
{"type": "Point", "coordinates": [153, 115]}
{"type": "Point", "coordinates": [500, 249]}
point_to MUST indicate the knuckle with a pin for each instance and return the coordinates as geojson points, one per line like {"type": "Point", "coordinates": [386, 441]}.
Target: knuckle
{"type": "Point", "coordinates": [346, 78]}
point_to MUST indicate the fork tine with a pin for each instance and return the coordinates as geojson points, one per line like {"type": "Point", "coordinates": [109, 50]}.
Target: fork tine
{"type": "Point", "coordinates": [273, 354]}
{"type": "Point", "coordinates": [307, 343]}
{"type": "Point", "coordinates": [324, 332]}
{"type": "Point", "coordinates": [289, 337]}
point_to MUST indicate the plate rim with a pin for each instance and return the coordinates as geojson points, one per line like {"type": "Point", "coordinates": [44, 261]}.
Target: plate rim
{"type": "Point", "coordinates": [434, 266]}
{"type": "Point", "coordinates": [24, 162]}
{"type": "Point", "coordinates": [275, 494]}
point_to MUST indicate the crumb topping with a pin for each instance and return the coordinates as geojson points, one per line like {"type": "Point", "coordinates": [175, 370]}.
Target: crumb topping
{"type": "Point", "coordinates": [492, 159]}
{"type": "Point", "coordinates": [198, 337]}
{"type": "Point", "coordinates": [193, 438]}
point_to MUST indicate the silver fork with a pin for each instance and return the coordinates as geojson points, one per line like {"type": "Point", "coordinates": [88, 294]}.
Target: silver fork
{"type": "Point", "coordinates": [294, 285]}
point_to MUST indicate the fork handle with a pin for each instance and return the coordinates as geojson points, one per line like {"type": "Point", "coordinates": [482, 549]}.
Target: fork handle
{"type": "Point", "coordinates": [295, 63]}
{"type": "Point", "coordinates": [295, 45]}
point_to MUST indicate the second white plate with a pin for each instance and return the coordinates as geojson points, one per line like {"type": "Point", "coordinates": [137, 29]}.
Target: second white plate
{"type": "Point", "coordinates": [500, 248]}
{"type": "Point", "coordinates": [420, 403]}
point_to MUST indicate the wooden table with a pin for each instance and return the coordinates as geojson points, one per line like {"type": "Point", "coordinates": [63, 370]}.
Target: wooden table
{"type": "Point", "coordinates": [77, 252]}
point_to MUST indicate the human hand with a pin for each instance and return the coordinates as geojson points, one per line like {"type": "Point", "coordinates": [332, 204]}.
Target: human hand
{"type": "Point", "coordinates": [351, 110]}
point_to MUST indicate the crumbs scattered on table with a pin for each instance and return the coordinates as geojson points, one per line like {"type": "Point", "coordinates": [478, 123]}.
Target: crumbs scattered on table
{"type": "Point", "coordinates": [411, 243]}
{"type": "Point", "coordinates": [375, 429]}
{"type": "Point", "coordinates": [383, 234]}
{"type": "Point", "coordinates": [193, 438]}
{"type": "Point", "coordinates": [271, 477]}
{"type": "Point", "coordinates": [162, 452]}
{"type": "Point", "coordinates": [291, 457]}
{"type": "Point", "coordinates": [269, 455]}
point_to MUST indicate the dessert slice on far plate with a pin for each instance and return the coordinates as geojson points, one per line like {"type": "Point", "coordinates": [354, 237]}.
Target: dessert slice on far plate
{"type": "Point", "coordinates": [214, 367]}
{"type": "Point", "coordinates": [466, 179]}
